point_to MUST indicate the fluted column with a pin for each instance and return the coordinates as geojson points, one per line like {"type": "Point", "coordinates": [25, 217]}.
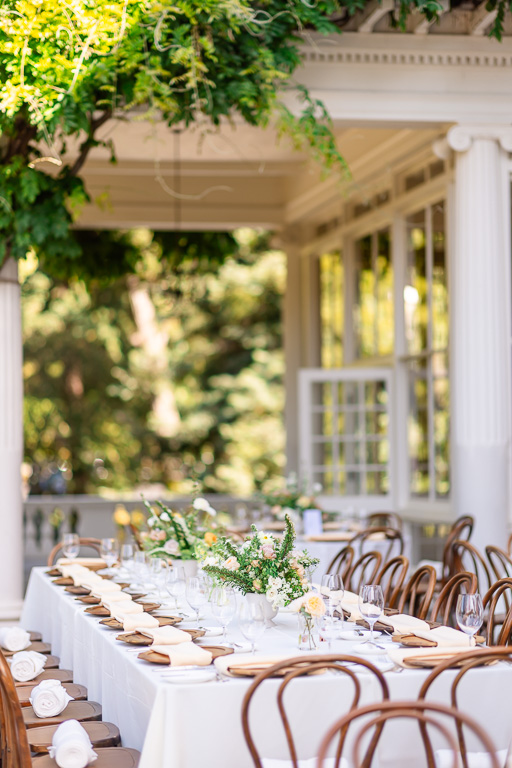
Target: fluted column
{"type": "Point", "coordinates": [481, 329]}
{"type": "Point", "coordinates": [11, 444]}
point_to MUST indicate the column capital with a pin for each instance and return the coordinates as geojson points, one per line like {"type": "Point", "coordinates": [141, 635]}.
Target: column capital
{"type": "Point", "coordinates": [461, 137]}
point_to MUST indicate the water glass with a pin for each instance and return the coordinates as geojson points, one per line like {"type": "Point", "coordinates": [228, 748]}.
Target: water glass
{"type": "Point", "coordinates": [223, 603]}
{"type": "Point", "coordinates": [157, 568]}
{"type": "Point", "coordinates": [469, 613]}
{"type": "Point", "coordinates": [126, 556]}
{"type": "Point", "coordinates": [252, 622]}
{"type": "Point", "coordinates": [332, 590]}
{"type": "Point", "coordinates": [109, 551]}
{"type": "Point", "coordinates": [371, 606]}
{"type": "Point", "coordinates": [140, 570]}
{"type": "Point", "coordinates": [196, 593]}
{"type": "Point", "coordinates": [175, 583]}
{"type": "Point", "coordinates": [71, 545]}
{"type": "Point", "coordinates": [329, 629]}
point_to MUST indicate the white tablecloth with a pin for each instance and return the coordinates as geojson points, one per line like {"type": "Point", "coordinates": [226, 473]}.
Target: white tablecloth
{"type": "Point", "coordinates": [190, 726]}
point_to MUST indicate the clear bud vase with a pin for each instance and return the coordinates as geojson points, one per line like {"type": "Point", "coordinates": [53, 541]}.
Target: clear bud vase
{"type": "Point", "coordinates": [306, 636]}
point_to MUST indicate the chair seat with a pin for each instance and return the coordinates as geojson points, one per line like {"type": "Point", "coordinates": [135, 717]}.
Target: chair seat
{"type": "Point", "coordinates": [110, 757]}
{"type": "Point", "coordinates": [100, 734]}
{"type": "Point", "coordinates": [64, 675]}
{"type": "Point", "coordinates": [77, 692]}
{"type": "Point", "coordinates": [75, 710]}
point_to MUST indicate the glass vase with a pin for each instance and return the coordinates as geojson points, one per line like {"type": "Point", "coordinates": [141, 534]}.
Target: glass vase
{"type": "Point", "coordinates": [306, 636]}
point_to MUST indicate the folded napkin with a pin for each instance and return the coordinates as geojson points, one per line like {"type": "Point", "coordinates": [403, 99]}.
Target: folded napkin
{"type": "Point", "coordinates": [446, 637]}
{"type": "Point", "coordinates": [135, 621]}
{"type": "Point", "coordinates": [14, 638]}
{"type": "Point", "coordinates": [119, 610]}
{"type": "Point", "coordinates": [68, 571]}
{"type": "Point", "coordinates": [404, 624]}
{"type": "Point", "coordinates": [166, 635]}
{"type": "Point", "coordinates": [402, 656]}
{"type": "Point", "coordinates": [71, 746]}
{"type": "Point", "coordinates": [26, 665]}
{"type": "Point", "coordinates": [116, 600]}
{"type": "Point", "coordinates": [87, 580]}
{"type": "Point", "coordinates": [105, 587]}
{"type": "Point", "coordinates": [49, 698]}
{"type": "Point", "coordinates": [184, 654]}
{"type": "Point", "coordinates": [248, 661]}
{"type": "Point", "coordinates": [445, 758]}
{"type": "Point", "coordinates": [87, 562]}
{"type": "Point", "coordinates": [350, 603]}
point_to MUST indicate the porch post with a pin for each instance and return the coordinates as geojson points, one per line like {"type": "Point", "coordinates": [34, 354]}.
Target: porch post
{"type": "Point", "coordinates": [11, 444]}
{"type": "Point", "coordinates": [292, 353]}
{"type": "Point", "coordinates": [481, 330]}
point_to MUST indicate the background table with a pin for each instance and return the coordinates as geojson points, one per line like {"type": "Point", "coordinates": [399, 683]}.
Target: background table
{"type": "Point", "coordinates": [196, 726]}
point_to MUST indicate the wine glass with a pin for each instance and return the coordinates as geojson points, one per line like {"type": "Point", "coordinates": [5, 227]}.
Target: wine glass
{"type": "Point", "coordinates": [328, 629]}
{"type": "Point", "coordinates": [126, 557]}
{"type": "Point", "coordinates": [469, 613]}
{"type": "Point", "coordinates": [371, 606]}
{"type": "Point", "coordinates": [252, 622]}
{"type": "Point", "coordinates": [109, 552]}
{"type": "Point", "coordinates": [157, 575]}
{"type": "Point", "coordinates": [140, 563]}
{"type": "Point", "coordinates": [223, 607]}
{"type": "Point", "coordinates": [175, 583]}
{"type": "Point", "coordinates": [71, 545]}
{"type": "Point", "coordinates": [332, 590]}
{"type": "Point", "coordinates": [196, 592]}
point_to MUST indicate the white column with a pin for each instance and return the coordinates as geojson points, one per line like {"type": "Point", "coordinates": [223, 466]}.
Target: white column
{"type": "Point", "coordinates": [480, 330]}
{"type": "Point", "coordinates": [11, 444]}
{"type": "Point", "coordinates": [292, 353]}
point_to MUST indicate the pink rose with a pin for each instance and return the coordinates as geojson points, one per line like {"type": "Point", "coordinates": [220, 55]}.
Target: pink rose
{"type": "Point", "coordinates": [267, 551]}
{"type": "Point", "coordinates": [231, 564]}
{"type": "Point", "coordinates": [157, 535]}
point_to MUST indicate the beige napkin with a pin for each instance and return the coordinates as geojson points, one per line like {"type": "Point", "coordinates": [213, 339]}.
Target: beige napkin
{"type": "Point", "coordinates": [248, 660]}
{"type": "Point", "coordinates": [350, 603]}
{"type": "Point", "coordinates": [401, 656]}
{"type": "Point", "coordinates": [86, 562]}
{"type": "Point", "coordinates": [136, 621]}
{"type": "Point", "coordinates": [69, 571]}
{"type": "Point", "coordinates": [404, 624]}
{"type": "Point", "coordinates": [120, 610]}
{"type": "Point", "coordinates": [446, 637]}
{"type": "Point", "coordinates": [184, 654]}
{"type": "Point", "coordinates": [105, 588]}
{"type": "Point", "coordinates": [87, 580]}
{"type": "Point", "coordinates": [166, 635]}
{"type": "Point", "coordinates": [116, 600]}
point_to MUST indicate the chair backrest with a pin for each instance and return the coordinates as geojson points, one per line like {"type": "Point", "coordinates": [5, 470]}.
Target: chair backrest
{"type": "Point", "coordinates": [84, 542]}
{"type": "Point", "coordinates": [418, 592]}
{"type": "Point", "coordinates": [15, 748]}
{"type": "Point", "coordinates": [342, 562]}
{"type": "Point", "coordinates": [392, 538]}
{"type": "Point", "coordinates": [491, 603]}
{"type": "Point", "coordinates": [290, 669]}
{"type": "Point", "coordinates": [446, 603]}
{"type": "Point", "coordinates": [391, 577]}
{"type": "Point", "coordinates": [372, 718]}
{"type": "Point", "coordinates": [461, 530]}
{"type": "Point", "coordinates": [466, 557]}
{"type": "Point", "coordinates": [466, 661]}
{"type": "Point", "coordinates": [500, 562]}
{"type": "Point", "coordinates": [363, 571]}
{"type": "Point", "coordinates": [385, 519]}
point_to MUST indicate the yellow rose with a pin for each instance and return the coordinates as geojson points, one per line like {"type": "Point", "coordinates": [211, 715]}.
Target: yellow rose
{"type": "Point", "coordinates": [138, 518]}
{"type": "Point", "coordinates": [314, 605]}
{"type": "Point", "coordinates": [209, 538]}
{"type": "Point", "coordinates": [121, 515]}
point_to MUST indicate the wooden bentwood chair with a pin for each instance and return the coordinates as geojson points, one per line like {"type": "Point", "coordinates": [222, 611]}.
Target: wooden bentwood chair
{"type": "Point", "coordinates": [446, 603]}
{"type": "Point", "coordinates": [391, 578]}
{"type": "Point", "coordinates": [84, 542]}
{"type": "Point", "coordinates": [290, 669]}
{"type": "Point", "coordinates": [418, 592]}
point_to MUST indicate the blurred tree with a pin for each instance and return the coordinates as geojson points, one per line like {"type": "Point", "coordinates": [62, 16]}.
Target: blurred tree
{"type": "Point", "coordinates": [170, 375]}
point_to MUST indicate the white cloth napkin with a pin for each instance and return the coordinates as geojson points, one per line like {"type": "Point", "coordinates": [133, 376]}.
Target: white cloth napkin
{"type": "Point", "coordinates": [71, 746]}
{"type": "Point", "coordinates": [350, 603]}
{"type": "Point", "coordinates": [87, 580]}
{"type": "Point", "coordinates": [184, 654]}
{"type": "Point", "coordinates": [136, 621]}
{"type": "Point", "coordinates": [166, 635]}
{"type": "Point", "coordinates": [49, 698]}
{"type": "Point", "coordinates": [89, 562]}
{"type": "Point", "coordinates": [105, 587]}
{"type": "Point", "coordinates": [116, 600]}
{"type": "Point", "coordinates": [70, 570]}
{"type": "Point", "coordinates": [120, 610]}
{"type": "Point", "coordinates": [444, 758]}
{"type": "Point", "coordinates": [14, 638]}
{"type": "Point", "coordinates": [404, 624]}
{"type": "Point", "coordinates": [26, 665]}
{"type": "Point", "coordinates": [446, 637]}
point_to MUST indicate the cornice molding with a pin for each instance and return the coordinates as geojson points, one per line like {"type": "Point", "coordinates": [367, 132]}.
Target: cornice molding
{"type": "Point", "coordinates": [407, 57]}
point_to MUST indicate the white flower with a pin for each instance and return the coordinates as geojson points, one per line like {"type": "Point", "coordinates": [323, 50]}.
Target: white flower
{"type": "Point", "coordinates": [152, 521]}
{"type": "Point", "coordinates": [317, 488]}
{"type": "Point", "coordinates": [264, 537]}
{"type": "Point", "coordinates": [202, 505]}
{"type": "Point", "coordinates": [210, 560]}
{"type": "Point", "coordinates": [165, 517]}
{"type": "Point", "coordinates": [172, 547]}
{"type": "Point", "coordinates": [231, 564]}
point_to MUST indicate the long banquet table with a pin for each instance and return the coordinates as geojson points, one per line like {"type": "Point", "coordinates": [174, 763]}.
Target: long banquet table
{"type": "Point", "coordinates": [193, 725]}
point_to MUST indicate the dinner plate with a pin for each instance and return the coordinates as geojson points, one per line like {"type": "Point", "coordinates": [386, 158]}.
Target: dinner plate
{"type": "Point", "coordinates": [137, 638]}
{"type": "Point", "coordinates": [38, 647]}
{"type": "Point", "coordinates": [157, 658]}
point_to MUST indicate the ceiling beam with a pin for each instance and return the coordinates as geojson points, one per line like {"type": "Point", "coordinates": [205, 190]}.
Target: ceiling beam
{"type": "Point", "coordinates": [374, 13]}
{"type": "Point", "coordinates": [421, 25]}
{"type": "Point", "coordinates": [482, 20]}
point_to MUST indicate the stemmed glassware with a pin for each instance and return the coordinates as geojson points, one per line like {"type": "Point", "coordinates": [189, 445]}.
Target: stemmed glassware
{"type": "Point", "coordinates": [71, 545]}
{"type": "Point", "coordinates": [157, 569]}
{"type": "Point", "coordinates": [109, 552]}
{"type": "Point", "coordinates": [126, 557]}
{"type": "Point", "coordinates": [252, 622]}
{"type": "Point", "coordinates": [332, 590]}
{"type": "Point", "coordinates": [196, 593]}
{"type": "Point", "coordinates": [140, 568]}
{"type": "Point", "coordinates": [328, 629]}
{"type": "Point", "coordinates": [223, 602]}
{"type": "Point", "coordinates": [175, 583]}
{"type": "Point", "coordinates": [371, 606]}
{"type": "Point", "coordinates": [469, 613]}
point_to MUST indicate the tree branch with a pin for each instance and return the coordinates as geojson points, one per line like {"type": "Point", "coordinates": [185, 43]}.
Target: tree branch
{"type": "Point", "coordinates": [88, 144]}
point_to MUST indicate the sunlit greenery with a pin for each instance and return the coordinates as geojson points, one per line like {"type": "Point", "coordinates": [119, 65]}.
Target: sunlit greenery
{"type": "Point", "coordinates": [167, 376]}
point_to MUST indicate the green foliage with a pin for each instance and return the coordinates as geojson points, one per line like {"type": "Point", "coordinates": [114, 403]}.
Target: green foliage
{"type": "Point", "coordinates": [165, 377]}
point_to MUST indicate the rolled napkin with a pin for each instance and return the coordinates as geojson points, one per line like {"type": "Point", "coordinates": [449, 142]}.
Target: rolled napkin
{"type": "Point", "coordinates": [123, 609]}
{"type": "Point", "coordinates": [446, 637]}
{"type": "Point", "coordinates": [404, 656]}
{"type": "Point", "coordinates": [166, 635]}
{"type": "Point", "coordinates": [184, 654]}
{"type": "Point", "coordinates": [14, 638]}
{"type": "Point", "coordinates": [404, 624]}
{"type": "Point", "coordinates": [135, 621]}
{"type": "Point", "coordinates": [26, 665]}
{"type": "Point", "coordinates": [49, 698]}
{"type": "Point", "coordinates": [71, 746]}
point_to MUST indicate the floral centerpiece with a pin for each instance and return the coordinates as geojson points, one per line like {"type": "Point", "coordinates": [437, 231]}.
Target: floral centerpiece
{"type": "Point", "coordinates": [293, 499]}
{"type": "Point", "coordinates": [262, 564]}
{"type": "Point", "coordinates": [176, 535]}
